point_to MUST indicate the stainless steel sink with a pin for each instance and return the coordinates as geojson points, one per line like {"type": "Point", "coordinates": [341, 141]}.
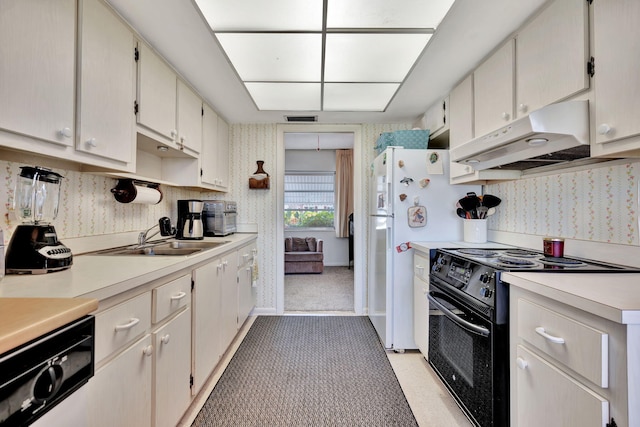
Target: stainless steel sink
{"type": "Point", "coordinates": [172, 248]}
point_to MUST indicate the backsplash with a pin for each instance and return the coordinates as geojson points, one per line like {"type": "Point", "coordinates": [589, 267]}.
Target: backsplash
{"type": "Point", "coordinates": [87, 207]}
{"type": "Point", "coordinates": [599, 204]}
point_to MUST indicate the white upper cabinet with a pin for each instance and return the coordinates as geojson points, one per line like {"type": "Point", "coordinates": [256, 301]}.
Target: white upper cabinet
{"type": "Point", "coordinates": [189, 119]}
{"type": "Point", "coordinates": [156, 95]}
{"type": "Point", "coordinates": [106, 91]}
{"type": "Point", "coordinates": [551, 56]}
{"type": "Point", "coordinates": [37, 69]}
{"type": "Point", "coordinates": [209, 154]}
{"type": "Point", "coordinates": [493, 90]}
{"type": "Point", "coordinates": [461, 113]}
{"type": "Point", "coordinates": [616, 38]}
{"type": "Point", "coordinates": [223, 155]}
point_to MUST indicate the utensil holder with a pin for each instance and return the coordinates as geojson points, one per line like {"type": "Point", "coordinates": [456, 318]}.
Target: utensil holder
{"type": "Point", "coordinates": [475, 230]}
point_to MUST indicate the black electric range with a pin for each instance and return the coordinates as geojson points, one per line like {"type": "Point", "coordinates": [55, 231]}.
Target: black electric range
{"type": "Point", "coordinates": [469, 321]}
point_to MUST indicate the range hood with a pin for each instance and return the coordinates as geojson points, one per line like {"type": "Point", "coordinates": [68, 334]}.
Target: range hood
{"type": "Point", "coordinates": [552, 137]}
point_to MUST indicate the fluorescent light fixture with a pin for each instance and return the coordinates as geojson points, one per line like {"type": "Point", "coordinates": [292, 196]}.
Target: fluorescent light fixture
{"type": "Point", "coordinates": [293, 58]}
{"type": "Point", "coordinates": [358, 96]}
{"type": "Point", "coordinates": [285, 96]}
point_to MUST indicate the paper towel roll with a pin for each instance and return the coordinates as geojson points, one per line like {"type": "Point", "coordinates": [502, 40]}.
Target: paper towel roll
{"type": "Point", "coordinates": [146, 195]}
{"type": "Point", "coordinates": [129, 192]}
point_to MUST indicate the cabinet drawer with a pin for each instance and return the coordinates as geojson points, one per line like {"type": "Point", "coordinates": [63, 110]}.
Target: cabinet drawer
{"type": "Point", "coordinates": [546, 396]}
{"type": "Point", "coordinates": [421, 266]}
{"type": "Point", "coordinates": [170, 297]}
{"type": "Point", "coordinates": [246, 254]}
{"type": "Point", "coordinates": [580, 347]}
{"type": "Point", "coordinates": [121, 324]}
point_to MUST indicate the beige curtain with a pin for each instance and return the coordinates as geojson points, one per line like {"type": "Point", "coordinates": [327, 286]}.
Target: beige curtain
{"type": "Point", "coordinates": [344, 191]}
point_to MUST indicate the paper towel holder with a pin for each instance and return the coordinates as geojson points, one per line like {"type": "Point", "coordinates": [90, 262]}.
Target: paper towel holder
{"type": "Point", "coordinates": [126, 191]}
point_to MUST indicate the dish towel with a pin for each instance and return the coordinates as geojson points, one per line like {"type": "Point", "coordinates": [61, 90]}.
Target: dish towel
{"type": "Point", "coordinates": [254, 272]}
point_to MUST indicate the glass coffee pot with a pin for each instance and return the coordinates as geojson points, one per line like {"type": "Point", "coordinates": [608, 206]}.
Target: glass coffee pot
{"type": "Point", "coordinates": [34, 246]}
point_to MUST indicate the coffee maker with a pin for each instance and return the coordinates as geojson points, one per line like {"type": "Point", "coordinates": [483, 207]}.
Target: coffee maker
{"type": "Point", "coordinates": [34, 246]}
{"type": "Point", "coordinates": [190, 220]}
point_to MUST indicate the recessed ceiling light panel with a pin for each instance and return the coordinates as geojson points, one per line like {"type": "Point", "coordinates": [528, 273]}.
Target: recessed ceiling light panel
{"type": "Point", "coordinates": [274, 57]}
{"type": "Point", "coordinates": [358, 96]}
{"type": "Point", "coordinates": [272, 15]}
{"type": "Point", "coordinates": [386, 14]}
{"type": "Point", "coordinates": [353, 58]}
{"type": "Point", "coordinates": [285, 96]}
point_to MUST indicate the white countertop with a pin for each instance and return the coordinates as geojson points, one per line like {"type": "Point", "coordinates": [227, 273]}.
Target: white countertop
{"type": "Point", "coordinates": [613, 296]}
{"type": "Point", "coordinates": [103, 276]}
{"type": "Point", "coordinates": [426, 246]}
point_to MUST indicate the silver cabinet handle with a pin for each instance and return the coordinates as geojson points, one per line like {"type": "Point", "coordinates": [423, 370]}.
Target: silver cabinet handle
{"type": "Point", "coordinates": [178, 296]}
{"type": "Point", "coordinates": [556, 340]}
{"type": "Point", "coordinates": [130, 324]}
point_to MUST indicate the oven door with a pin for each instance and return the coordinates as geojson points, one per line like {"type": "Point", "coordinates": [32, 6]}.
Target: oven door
{"type": "Point", "coordinates": [460, 351]}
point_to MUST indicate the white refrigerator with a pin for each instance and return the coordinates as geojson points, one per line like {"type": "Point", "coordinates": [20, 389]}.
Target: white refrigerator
{"type": "Point", "coordinates": [411, 200]}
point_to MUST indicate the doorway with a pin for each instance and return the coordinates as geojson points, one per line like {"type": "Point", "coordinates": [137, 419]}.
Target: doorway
{"type": "Point", "coordinates": [293, 141]}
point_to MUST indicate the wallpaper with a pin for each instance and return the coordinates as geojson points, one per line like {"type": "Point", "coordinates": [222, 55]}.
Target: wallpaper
{"type": "Point", "coordinates": [600, 204]}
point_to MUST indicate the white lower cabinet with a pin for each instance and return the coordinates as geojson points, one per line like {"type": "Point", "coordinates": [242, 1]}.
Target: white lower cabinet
{"type": "Point", "coordinates": [120, 391]}
{"type": "Point", "coordinates": [420, 302]}
{"type": "Point", "coordinates": [568, 367]}
{"type": "Point", "coordinates": [227, 277]}
{"type": "Point", "coordinates": [207, 348]}
{"type": "Point", "coordinates": [172, 369]}
{"type": "Point", "coordinates": [246, 291]}
{"type": "Point", "coordinates": [547, 396]}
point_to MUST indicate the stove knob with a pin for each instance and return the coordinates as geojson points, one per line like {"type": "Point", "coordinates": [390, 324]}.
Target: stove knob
{"type": "Point", "coordinates": [486, 292]}
{"type": "Point", "coordinates": [485, 278]}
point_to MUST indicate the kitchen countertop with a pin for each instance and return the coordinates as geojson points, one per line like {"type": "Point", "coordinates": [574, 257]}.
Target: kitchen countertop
{"type": "Point", "coordinates": [426, 246]}
{"type": "Point", "coordinates": [103, 276]}
{"type": "Point", "coordinates": [33, 305]}
{"type": "Point", "coordinates": [24, 319]}
{"type": "Point", "coordinates": [613, 296]}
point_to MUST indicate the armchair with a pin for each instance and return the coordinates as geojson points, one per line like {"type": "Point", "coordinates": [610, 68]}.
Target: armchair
{"type": "Point", "coordinates": [303, 255]}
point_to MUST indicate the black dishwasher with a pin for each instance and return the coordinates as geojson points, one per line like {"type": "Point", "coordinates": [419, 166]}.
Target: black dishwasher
{"type": "Point", "coordinates": [41, 373]}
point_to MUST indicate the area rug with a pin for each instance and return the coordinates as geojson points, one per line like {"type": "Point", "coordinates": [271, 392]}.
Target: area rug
{"type": "Point", "coordinates": [308, 371]}
{"type": "Point", "coordinates": [330, 291]}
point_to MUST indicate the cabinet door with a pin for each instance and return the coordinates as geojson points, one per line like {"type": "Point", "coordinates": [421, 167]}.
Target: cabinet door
{"type": "Point", "coordinates": [546, 396]}
{"type": "Point", "coordinates": [493, 91]}
{"type": "Point", "coordinates": [37, 68]}
{"type": "Point", "coordinates": [436, 117]}
{"type": "Point", "coordinates": [107, 84]}
{"type": "Point", "coordinates": [227, 272]}
{"type": "Point", "coordinates": [156, 94]}
{"type": "Point", "coordinates": [420, 303]}
{"type": "Point", "coordinates": [209, 153]}
{"type": "Point", "coordinates": [552, 52]}
{"type": "Point", "coordinates": [461, 113]}
{"type": "Point", "coordinates": [120, 391]}
{"type": "Point", "coordinates": [616, 38]}
{"type": "Point", "coordinates": [223, 155]}
{"type": "Point", "coordinates": [206, 323]}
{"type": "Point", "coordinates": [189, 118]}
{"type": "Point", "coordinates": [172, 343]}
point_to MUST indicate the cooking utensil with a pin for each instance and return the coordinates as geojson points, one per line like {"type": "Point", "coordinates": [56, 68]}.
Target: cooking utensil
{"type": "Point", "coordinates": [461, 213]}
{"type": "Point", "coordinates": [470, 202]}
{"type": "Point", "coordinates": [490, 200]}
{"type": "Point", "coordinates": [482, 212]}
{"type": "Point", "coordinates": [491, 211]}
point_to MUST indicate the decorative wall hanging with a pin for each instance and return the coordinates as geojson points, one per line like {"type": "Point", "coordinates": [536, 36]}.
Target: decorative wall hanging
{"type": "Point", "coordinates": [260, 179]}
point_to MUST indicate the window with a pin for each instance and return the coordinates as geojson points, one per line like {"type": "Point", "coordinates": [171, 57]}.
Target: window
{"type": "Point", "coordinates": [309, 199]}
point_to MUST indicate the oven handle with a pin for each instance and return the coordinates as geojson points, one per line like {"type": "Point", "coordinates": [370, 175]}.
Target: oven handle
{"type": "Point", "coordinates": [480, 330]}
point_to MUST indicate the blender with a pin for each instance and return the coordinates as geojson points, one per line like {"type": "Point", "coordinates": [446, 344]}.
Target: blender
{"type": "Point", "coordinates": [34, 247]}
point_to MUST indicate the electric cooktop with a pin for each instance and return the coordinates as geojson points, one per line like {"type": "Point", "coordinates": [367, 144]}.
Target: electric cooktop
{"type": "Point", "coordinates": [518, 259]}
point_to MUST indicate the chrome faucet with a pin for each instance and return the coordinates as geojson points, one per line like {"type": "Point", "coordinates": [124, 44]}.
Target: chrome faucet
{"type": "Point", "coordinates": [164, 228]}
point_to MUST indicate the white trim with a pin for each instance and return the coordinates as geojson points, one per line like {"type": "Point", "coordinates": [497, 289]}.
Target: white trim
{"type": "Point", "coordinates": [359, 229]}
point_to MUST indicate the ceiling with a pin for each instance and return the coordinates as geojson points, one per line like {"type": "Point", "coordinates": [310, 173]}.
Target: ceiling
{"type": "Point", "coordinates": [470, 31]}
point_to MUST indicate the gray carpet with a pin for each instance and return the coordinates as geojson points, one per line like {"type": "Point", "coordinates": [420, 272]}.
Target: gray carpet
{"type": "Point", "coordinates": [308, 371]}
{"type": "Point", "coordinates": [330, 291]}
